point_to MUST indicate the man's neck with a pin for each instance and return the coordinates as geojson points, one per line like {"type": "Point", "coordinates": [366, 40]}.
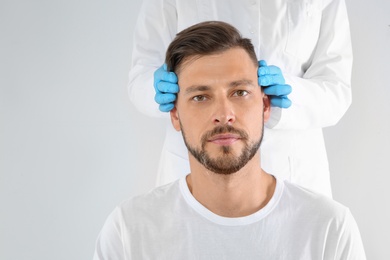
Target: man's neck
{"type": "Point", "coordinates": [236, 195]}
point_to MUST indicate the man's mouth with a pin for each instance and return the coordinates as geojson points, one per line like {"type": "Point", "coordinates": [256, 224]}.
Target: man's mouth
{"type": "Point", "coordinates": [224, 139]}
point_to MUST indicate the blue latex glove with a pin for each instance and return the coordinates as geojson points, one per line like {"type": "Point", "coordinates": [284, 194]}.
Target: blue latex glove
{"type": "Point", "coordinates": [166, 87]}
{"type": "Point", "coordinates": [272, 81]}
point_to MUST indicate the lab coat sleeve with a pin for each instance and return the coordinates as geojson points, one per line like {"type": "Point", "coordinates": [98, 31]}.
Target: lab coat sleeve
{"type": "Point", "coordinates": [156, 27]}
{"type": "Point", "coordinates": [323, 94]}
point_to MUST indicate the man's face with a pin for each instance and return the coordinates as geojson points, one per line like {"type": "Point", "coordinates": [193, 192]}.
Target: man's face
{"type": "Point", "coordinates": [220, 110]}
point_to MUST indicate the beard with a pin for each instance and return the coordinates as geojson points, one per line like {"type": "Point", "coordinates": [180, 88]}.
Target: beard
{"type": "Point", "coordinates": [228, 162]}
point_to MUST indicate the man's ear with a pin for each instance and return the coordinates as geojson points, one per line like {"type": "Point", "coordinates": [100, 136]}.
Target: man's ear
{"type": "Point", "coordinates": [175, 119]}
{"type": "Point", "coordinates": [266, 107]}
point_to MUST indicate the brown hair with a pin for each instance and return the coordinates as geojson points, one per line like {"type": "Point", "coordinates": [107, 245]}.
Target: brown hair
{"type": "Point", "coordinates": [205, 38]}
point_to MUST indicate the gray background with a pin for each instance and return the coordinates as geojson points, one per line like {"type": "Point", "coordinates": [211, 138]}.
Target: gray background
{"type": "Point", "coordinates": [72, 146]}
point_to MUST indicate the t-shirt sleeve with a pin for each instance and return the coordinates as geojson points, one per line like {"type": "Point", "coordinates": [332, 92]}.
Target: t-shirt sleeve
{"type": "Point", "coordinates": [350, 245]}
{"type": "Point", "coordinates": [109, 244]}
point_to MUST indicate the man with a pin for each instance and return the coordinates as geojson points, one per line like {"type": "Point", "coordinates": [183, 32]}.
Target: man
{"type": "Point", "coordinates": [308, 40]}
{"type": "Point", "coordinates": [227, 207]}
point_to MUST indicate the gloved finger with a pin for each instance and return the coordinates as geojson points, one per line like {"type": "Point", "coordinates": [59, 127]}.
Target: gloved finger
{"type": "Point", "coordinates": [278, 90]}
{"type": "Point", "coordinates": [262, 63]}
{"type": "Point", "coordinates": [271, 70]}
{"type": "Point", "coordinates": [268, 80]}
{"type": "Point", "coordinates": [166, 107]}
{"type": "Point", "coordinates": [164, 98]}
{"type": "Point", "coordinates": [161, 74]}
{"type": "Point", "coordinates": [282, 102]}
{"type": "Point", "coordinates": [157, 76]}
{"type": "Point", "coordinates": [167, 87]}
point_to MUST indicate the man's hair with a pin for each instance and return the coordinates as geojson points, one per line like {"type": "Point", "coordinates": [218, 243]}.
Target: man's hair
{"type": "Point", "coordinates": [205, 38]}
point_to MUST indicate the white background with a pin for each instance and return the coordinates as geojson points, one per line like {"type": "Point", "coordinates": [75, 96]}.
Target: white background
{"type": "Point", "coordinates": [72, 146]}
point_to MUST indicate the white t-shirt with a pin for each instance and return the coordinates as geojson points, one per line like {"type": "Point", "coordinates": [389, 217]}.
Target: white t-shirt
{"type": "Point", "coordinates": [169, 223]}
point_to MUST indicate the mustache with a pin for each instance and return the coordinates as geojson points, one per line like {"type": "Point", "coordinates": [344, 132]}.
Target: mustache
{"type": "Point", "coordinates": [224, 130]}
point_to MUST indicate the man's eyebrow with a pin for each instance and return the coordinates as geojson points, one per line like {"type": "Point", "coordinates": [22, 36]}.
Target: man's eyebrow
{"type": "Point", "coordinates": [232, 84]}
{"type": "Point", "coordinates": [195, 88]}
{"type": "Point", "coordinates": [241, 82]}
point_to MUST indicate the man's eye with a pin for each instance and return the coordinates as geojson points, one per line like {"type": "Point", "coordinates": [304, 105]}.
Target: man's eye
{"type": "Point", "coordinates": [199, 98]}
{"type": "Point", "coordinates": [240, 93]}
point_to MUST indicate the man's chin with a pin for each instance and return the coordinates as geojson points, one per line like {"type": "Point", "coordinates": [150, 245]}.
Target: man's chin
{"type": "Point", "coordinates": [223, 171]}
{"type": "Point", "coordinates": [224, 151]}
{"type": "Point", "coordinates": [223, 165]}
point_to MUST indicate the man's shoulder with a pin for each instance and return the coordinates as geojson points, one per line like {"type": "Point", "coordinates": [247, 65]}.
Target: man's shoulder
{"type": "Point", "coordinates": [156, 200]}
{"type": "Point", "coordinates": [158, 195]}
{"type": "Point", "coordinates": [311, 201]}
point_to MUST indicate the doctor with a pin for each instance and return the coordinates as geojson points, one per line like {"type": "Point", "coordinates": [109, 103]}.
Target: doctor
{"type": "Point", "coordinates": [308, 40]}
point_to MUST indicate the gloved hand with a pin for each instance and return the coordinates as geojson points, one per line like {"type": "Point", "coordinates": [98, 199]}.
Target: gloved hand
{"type": "Point", "coordinates": [166, 87]}
{"type": "Point", "coordinates": [273, 83]}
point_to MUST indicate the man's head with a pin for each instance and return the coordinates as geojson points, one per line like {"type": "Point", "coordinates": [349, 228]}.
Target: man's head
{"type": "Point", "coordinates": [205, 38]}
{"type": "Point", "coordinates": [220, 108]}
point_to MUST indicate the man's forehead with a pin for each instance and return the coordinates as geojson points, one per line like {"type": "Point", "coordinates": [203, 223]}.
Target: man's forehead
{"type": "Point", "coordinates": [230, 68]}
{"type": "Point", "coordinates": [235, 55]}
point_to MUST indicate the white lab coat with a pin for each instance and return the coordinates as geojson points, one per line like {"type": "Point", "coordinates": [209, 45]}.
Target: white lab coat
{"type": "Point", "coordinates": [308, 39]}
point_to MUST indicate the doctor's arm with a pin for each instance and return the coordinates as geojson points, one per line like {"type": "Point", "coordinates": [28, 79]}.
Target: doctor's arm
{"type": "Point", "coordinates": [156, 27]}
{"type": "Point", "coordinates": [323, 94]}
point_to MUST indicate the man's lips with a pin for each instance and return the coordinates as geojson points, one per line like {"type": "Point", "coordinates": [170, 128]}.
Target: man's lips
{"type": "Point", "coordinates": [224, 139]}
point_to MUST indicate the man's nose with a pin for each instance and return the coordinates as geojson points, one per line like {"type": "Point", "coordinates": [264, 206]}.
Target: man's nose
{"type": "Point", "coordinates": [223, 113]}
